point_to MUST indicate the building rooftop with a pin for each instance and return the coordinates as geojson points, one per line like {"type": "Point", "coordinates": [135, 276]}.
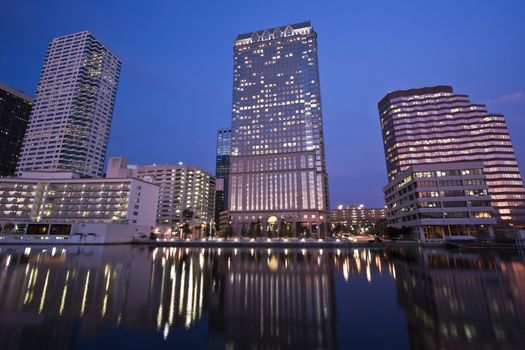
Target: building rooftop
{"type": "Point", "coordinates": [415, 92]}
{"type": "Point", "coordinates": [16, 92]}
{"type": "Point", "coordinates": [305, 24]}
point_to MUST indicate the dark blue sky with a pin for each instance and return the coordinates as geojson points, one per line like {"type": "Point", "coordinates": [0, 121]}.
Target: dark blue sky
{"type": "Point", "coordinates": [176, 83]}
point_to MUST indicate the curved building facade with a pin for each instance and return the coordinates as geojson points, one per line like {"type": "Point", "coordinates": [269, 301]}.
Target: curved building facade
{"type": "Point", "coordinates": [435, 125]}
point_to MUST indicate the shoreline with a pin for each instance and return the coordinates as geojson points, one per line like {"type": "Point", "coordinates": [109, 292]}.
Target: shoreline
{"type": "Point", "coordinates": [335, 244]}
{"type": "Point", "coordinates": [294, 244]}
{"type": "Point", "coordinates": [289, 244]}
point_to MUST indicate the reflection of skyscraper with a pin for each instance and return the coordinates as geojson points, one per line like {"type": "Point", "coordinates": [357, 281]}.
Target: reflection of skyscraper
{"type": "Point", "coordinates": [76, 295]}
{"type": "Point", "coordinates": [179, 288]}
{"type": "Point", "coordinates": [460, 301]}
{"type": "Point", "coordinates": [49, 291]}
{"type": "Point", "coordinates": [278, 172]}
{"type": "Point", "coordinates": [279, 300]}
{"type": "Point", "coordinates": [222, 171]}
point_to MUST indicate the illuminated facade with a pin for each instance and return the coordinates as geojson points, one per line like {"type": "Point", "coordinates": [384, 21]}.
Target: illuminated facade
{"type": "Point", "coordinates": [71, 116]}
{"type": "Point", "coordinates": [461, 301]}
{"type": "Point", "coordinates": [63, 204]}
{"type": "Point", "coordinates": [222, 171]}
{"type": "Point", "coordinates": [436, 125]}
{"type": "Point", "coordinates": [357, 215]}
{"type": "Point", "coordinates": [258, 299]}
{"type": "Point", "coordinates": [15, 108]}
{"type": "Point", "coordinates": [278, 175]}
{"type": "Point", "coordinates": [441, 201]}
{"type": "Point", "coordinates": [160, 291]}
{"type": "Point", "coordinates": [181, 187]}
{"type": "Point", "coordinates": [268, 303]}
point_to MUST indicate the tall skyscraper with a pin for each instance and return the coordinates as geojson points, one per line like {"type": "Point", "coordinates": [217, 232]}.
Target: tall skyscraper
{"type": "Point", "coordinates": [436, 125]}
{"type": "Point", "coordinates": [71, 117]}
{"type": "Point", "coordinates": [222, 171]}
{"type": "Point", "coordinates": [15, 108]}
{"type": "Point", "coordinates": [278, 174]}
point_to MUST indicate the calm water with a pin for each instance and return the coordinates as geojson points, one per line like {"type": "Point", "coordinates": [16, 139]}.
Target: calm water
{"type": "Point", "coordinates": [133, 297]}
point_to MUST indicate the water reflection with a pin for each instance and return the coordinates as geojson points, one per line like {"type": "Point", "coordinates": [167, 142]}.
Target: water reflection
{"type": "Point", "coordinates": [462, 301]}
{"type": "Point", "coordinates": [138, 296]}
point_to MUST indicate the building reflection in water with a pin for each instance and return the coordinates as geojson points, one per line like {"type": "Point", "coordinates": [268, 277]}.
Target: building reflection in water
{"type": "Point", "coordinates": [250, 298]}
{"type": "Point", "coordinates": [278, 299]}
{"type": "Point", "coordinates": [257, 298]}
{"type": "Point", "coordinates": [462, 301]}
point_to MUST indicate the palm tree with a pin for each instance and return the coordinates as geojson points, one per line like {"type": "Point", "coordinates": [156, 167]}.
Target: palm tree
{"type": "Point", "coordinates": [187, 215]}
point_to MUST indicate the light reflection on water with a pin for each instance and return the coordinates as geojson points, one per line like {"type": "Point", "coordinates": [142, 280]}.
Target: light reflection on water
{"type": "Point", "coordinates": [139, 296]}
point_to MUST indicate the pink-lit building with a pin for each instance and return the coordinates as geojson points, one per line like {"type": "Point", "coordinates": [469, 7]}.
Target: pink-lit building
{"type": "Point", "coordinates": [435, 125]}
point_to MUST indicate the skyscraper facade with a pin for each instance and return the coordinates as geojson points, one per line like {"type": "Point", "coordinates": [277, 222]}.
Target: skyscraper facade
{"type": "Point", "coordinates": [15, 108]}
{"type": "Point", "coordinates": [222, 171]}
{"type": "Point", "coordinates": [436, 125]}
{"type": "Point", "coordinates": [71, 117]}
{"type": "Point", "coordinates": [278, 181]}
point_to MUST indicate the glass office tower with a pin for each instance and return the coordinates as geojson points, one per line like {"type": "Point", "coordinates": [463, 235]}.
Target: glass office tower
{"type": "Point", "coordinates": [71, 117]}
{"type": "Point", "coordinates": [222, 171]}
{"type": "Point", "coordinates": [15, 108]}
{"type": "Point", "coordinates": [278, 181]}
{"type": "Point", "coordinates": [435, 125]}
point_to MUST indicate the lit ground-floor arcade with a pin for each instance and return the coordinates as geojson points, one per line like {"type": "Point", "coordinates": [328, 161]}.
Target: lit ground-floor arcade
{"type": "Point", "coordinates": [281, 224]}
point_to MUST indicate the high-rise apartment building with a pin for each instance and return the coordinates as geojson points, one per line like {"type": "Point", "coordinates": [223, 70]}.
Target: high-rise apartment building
{"type": "Point", "coordinates": [278, 174]}
{"type": "Point", "coordinates": [222, 171]}
{"type": "Point", "coordinates": [436, 125]}
{"type": "Point", "coordinates": [186, 196]}
{"type": "Point", "coordinates": [71, 116]}
{"type": "Point", "coordinates": [15, 108]}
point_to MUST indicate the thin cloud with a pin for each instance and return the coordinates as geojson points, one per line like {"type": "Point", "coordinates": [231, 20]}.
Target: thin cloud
{"type": "Point", "coordinates": [510, 98]}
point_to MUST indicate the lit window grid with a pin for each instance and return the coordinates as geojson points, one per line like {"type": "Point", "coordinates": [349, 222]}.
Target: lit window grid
{"type": "Point", "coordinates": [181, 187]}
{"type": "Point", "coordinates": [276, 111]}
{"type": "Point", "coordinates": [71, 117]}
{"type": "Point", "coordinates": [68, 201]}
{"type": "Point", "coordinates": [441, 126]}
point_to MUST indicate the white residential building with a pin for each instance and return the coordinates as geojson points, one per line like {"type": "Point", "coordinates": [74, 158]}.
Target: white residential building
{"type": "Point", "coordinates": [61, 206]}
{"type": "Point", "coordinates": [181, 187]}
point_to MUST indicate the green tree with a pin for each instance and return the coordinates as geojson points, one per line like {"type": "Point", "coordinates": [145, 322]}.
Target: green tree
{"type": "Point", "coordinates": [259, 228]}
{"type": "Point", "coordinates": [187, 215]}
{"type": "Point", "coordinates": [186, 229]}
{"type": "Point", "coordinates": [394, 232]}
{"type": "Point", "coordinates": [228, 232]}
{"type": "Point", "coordinates": [380, 227]}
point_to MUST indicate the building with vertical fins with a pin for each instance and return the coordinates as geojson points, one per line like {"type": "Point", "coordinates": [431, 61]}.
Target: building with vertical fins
{"type": "Point", "coordinates": [222, 171]}
{"type": "Point", "coordinates": [15, 108]}
{"type": "Point", "coordinates": [71, 116]}
{"type": "Point", "coordinates": [278, 182]}
{"type": "Point", "coordinates": [435, 125]}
